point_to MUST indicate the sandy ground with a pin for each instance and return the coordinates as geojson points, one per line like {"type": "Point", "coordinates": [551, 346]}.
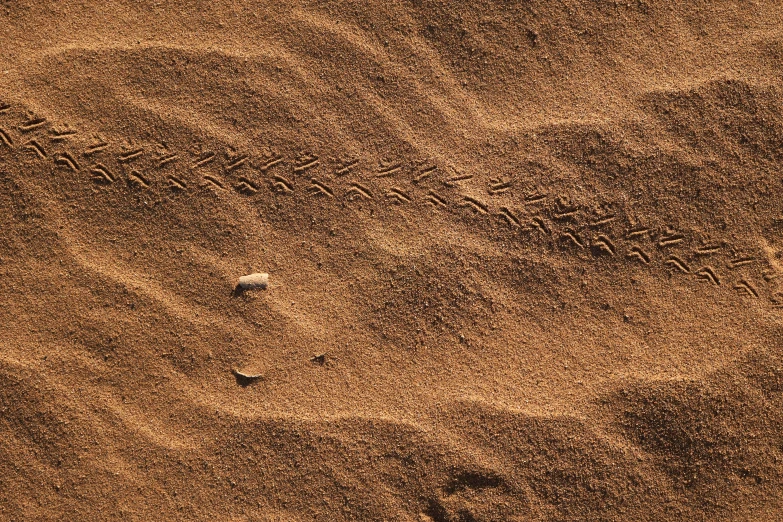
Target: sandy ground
{"type": "Point", "coordinates": [524, 260]}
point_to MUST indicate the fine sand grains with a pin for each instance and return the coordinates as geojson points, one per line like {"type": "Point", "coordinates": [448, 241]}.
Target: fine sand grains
{"type": "Point", "coordinates": [521, 260]}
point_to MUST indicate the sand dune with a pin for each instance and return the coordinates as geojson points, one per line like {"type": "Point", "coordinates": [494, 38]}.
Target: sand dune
{"type": "Point", "coordinates": [524, 261]}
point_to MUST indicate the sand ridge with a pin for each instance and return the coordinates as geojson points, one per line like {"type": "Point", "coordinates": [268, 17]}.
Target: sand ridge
{"type": "Point", "coordinates": [537, 247]}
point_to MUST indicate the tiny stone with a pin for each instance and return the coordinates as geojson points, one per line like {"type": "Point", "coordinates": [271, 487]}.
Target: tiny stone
{"type": "Point", "coordinates": [258, 280]}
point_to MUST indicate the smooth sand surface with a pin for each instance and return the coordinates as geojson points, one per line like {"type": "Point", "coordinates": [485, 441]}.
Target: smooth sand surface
{"type": "Point", "coordinates": [523, 260]}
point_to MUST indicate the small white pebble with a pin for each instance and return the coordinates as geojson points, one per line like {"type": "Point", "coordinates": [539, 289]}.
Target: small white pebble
{"type": "Point", "coordinates": [259, 280]}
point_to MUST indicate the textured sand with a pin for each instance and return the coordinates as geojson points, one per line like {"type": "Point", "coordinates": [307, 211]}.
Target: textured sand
{"type": "Point", "coordinates": [523, 260]}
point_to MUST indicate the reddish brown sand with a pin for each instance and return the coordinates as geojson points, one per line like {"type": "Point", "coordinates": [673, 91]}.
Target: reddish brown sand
{"type": "Point", "coordinates": [523, 260]}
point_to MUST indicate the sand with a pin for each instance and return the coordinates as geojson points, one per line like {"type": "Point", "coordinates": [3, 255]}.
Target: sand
{"type": "Point", "coordinates": [523, 260]}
